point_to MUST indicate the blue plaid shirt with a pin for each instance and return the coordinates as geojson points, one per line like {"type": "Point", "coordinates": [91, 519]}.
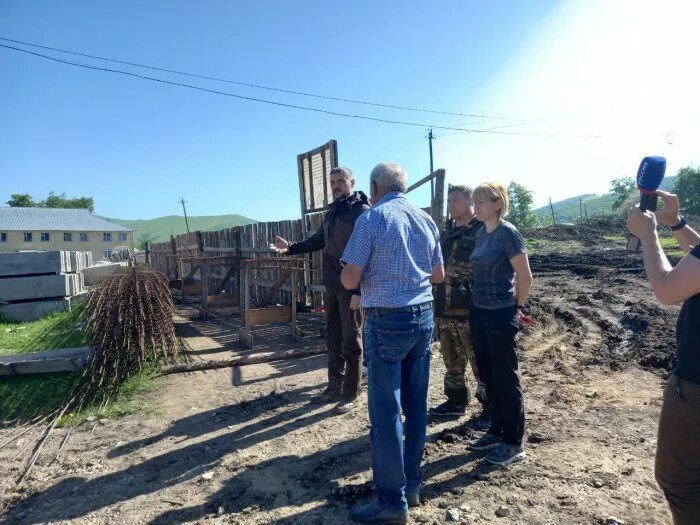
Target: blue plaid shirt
{"type": "Point", "coordinates": [398, 245]}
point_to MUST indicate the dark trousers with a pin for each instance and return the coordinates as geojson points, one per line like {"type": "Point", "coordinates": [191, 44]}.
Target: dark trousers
{"type": "Point", "coordinates": [494, 339]}
{"type": "Point", "coordinates": [678, 450]}
{"type": "Point", "coordinates": [343, 342]}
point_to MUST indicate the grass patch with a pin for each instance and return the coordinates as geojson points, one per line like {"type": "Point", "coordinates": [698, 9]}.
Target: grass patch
{"type": "Point", "coordinates": [24, 397]}
{"type": "Point", "coordinates": [534, 245]}
{"type": "Point", "coordinates": [58, 330]}
{"type": "Point", "coordinates": [614, 238]}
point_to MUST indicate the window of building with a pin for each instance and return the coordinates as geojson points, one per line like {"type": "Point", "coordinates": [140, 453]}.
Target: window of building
{"type": "Point", "coordinates": [3, 237]}
{"type": "Point", "coordinates": [83, 237]}
{"type": "Point", "coordinates": [67, 237]}
{"type": "Point", "coordinates": [107, 253]}
{"type": "Point", "coordinates": [45, 237]}
{"type": "Point", "coordinates": [106, 237]}
{"type": "Point", "coordinates": [28, 237]}
{"type": "Point", "coordinates": [122, 237]}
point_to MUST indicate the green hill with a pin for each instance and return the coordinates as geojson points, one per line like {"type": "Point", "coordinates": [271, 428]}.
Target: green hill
{"type": "Point", "coordinates": [160, 228]}
{"type": "Point", "coordinates": [569, 210]}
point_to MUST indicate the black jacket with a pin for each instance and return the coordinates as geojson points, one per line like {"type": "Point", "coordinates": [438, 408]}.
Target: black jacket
{"type": "Point", "coordinates": [333, 236]}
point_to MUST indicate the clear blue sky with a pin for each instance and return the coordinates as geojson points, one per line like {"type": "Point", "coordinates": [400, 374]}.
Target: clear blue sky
{"type": "Point", "coordinates": [137, 146]}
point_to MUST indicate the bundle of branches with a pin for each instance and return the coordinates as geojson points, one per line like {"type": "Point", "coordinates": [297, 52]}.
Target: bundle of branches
{"type": "Point", "coordinates": [129, 315]}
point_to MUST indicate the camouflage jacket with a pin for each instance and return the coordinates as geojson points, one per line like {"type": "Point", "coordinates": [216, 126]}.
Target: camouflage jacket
{"type": "Point", "coordinates": [452, 298]}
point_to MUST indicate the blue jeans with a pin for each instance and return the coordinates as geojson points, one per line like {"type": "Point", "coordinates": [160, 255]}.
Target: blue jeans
{"type": "Point", "coordinates": [397, 353]}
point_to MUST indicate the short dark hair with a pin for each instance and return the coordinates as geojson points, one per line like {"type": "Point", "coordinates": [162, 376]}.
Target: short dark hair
{"type": "Point", "coordinates": [340, 170]}
{"type": "Point", "coordinates": [465, 190]}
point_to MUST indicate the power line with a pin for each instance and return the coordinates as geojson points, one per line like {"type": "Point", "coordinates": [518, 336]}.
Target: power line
{"type": "Point", "coordinates": [287, 105]}
{"type": "Point", "coordinates": [259, 86]}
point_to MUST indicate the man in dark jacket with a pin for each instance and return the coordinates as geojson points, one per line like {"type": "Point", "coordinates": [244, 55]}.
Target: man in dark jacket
{"type": "Point", "coordinates": [343, 322]}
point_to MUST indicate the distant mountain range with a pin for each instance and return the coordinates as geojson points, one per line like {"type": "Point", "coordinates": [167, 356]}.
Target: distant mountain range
{"type": "Point", "coordinates": [160, 228]}
{"type": "Point", "coordinates": [569, 210]}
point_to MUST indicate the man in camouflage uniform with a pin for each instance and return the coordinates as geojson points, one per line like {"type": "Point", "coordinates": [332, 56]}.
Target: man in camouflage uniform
{"type": "Point", "coordinates": [452, 301]}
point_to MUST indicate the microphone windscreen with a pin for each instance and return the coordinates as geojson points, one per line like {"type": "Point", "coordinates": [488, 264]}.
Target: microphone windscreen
{"type": "Point", "coordinates": [650, 174]}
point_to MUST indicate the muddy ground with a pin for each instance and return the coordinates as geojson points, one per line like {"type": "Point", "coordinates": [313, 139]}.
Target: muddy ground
{"type": "Point", "coordinates": [250, 447]}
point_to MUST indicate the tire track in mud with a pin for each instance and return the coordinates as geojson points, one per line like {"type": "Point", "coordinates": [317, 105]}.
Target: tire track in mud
{"type": "Point", "coordinates": [600, 299]}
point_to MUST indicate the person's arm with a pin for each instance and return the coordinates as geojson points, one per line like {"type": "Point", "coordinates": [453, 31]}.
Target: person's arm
{"type": "Point", "coordinates": [437, 263]}
{"type": "Point", "coordinates": [523, 278]}
{"type": "Point", "coordinates": [438, 274]}
{"type": "Point", "coordinates": [686, 237]}
{"type": "Point", "coordinates": [351, 275]}
{"type": "Point", "coordinates": [316, 242]}
{"type": "Point", "coordinates": [670, 285]}
{"type": "Point", "coordinates": [356, 254]}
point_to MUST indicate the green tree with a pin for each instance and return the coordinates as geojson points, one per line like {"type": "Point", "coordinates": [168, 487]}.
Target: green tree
{"type": "Point", "coordinates": [688, 189]}
{"type": "Point", "coordinates": [520, 213]}
{"type": "Point", "coordinates": [145, 238]}
{"type": "Point", "coordinates": [622, 189]}
{"type": "Point", "coordinates": [61, 201]}
{"type": "Point", "coordinates": [21, 200]}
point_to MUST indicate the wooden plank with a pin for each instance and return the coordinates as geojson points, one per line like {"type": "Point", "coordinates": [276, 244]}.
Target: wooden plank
{"type": "Point", "coordinates": [223, 301]}
{"type": "Point", "coordinates": [273, 314]}
{"type": "Point", "coordinates": [203, 311]}
{"type": "Point", "coordinates": [224, 281]}
{"type": "Point", "coordinates": [219, 249]}
{"type": "Point", "coordinates": [302, 189]}
{"type": "Point", "coordinates": [438, 203]}
{"type": "Point", "coordinates": [422, 181]}
{"type": "Point", "coordinates": [194, 269]}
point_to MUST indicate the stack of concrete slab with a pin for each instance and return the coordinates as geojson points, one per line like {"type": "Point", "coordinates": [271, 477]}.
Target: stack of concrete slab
{"type": "Point", "coordinates": [100, 270]}
{"type": "Point", "coordinates": [34, 284]}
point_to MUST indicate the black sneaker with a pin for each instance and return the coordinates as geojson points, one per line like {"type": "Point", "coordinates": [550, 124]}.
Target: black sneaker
{"type": "Point", "coordinates": [448, 409]}
{"type": "Point", "coordinates": [505, 454]}
{"type": "Point", "coordinates": [486, 442]}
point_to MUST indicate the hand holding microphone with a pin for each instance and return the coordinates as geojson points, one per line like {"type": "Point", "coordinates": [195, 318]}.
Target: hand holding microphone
{"type": "Point", "coordinates": [649, 176]}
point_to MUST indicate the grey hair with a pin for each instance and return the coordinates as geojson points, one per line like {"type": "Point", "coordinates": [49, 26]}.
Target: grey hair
{"type": "Point", "coordinates": [341, 170]}
{"type": "Point", "coordinates": [390, 176]}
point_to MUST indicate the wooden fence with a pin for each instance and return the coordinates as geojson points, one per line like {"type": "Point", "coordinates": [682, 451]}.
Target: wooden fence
{"type": "Point", "coordinates": [209, 261]}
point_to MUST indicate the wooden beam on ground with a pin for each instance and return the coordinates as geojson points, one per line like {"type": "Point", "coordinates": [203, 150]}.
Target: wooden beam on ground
{"type": "Point", "coordinates": [268, 357]}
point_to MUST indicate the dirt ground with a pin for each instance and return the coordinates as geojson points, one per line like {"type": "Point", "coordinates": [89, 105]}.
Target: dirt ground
{"type": "Point", "coordinates": [248, 446]}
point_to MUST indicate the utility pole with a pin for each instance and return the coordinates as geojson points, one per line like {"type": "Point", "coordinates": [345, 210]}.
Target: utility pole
{"type": "Point", "coordinates": [430, 147]}
{"type": "Point", "coordinates": [554, 220]}
{"type": "Point", "coordinates": [182, 201]}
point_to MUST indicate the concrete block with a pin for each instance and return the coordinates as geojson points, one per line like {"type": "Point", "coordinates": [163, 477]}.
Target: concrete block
{"type": "Point", "coordinates": [39, 287]}
{"type": "Point", "coordinates": [95, 273]}
{"type": "Point", "coordinates": [33, 310]}
{"type": "Point", "coordinates": [33, 263]}
{"type": "Point", "coordinates": [79, 260]}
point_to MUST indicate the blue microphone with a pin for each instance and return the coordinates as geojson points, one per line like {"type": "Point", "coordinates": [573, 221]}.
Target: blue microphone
{"type": "Point", "coordinates": [649, 176]}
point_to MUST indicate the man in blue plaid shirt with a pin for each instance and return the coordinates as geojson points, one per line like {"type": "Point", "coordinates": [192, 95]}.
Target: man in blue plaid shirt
{"type": "Point", "coordinates": [394, 256]}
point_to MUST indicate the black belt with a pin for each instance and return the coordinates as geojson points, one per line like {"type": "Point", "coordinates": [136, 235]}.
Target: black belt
{"type": "Point", "coordinates": [413, 309]}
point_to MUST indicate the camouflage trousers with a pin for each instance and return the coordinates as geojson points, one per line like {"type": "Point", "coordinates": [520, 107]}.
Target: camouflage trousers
{"type": "Point", "coordinates": [458, 352]}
